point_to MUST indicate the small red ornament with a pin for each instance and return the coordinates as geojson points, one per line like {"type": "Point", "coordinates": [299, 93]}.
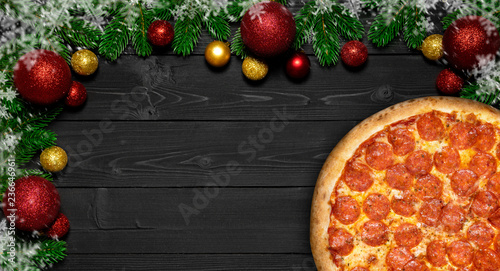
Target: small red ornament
{"type": "Point", "coordinates": [354, 53]}
{"type": "Point", "coordinates": [449, 82]}
{"type": "Point", "coordinates": [470, 41]}
{"type": "Point", "coordinates": [35, 202]}
{"type": "Point", "coordinates": [298, 65]}
{"type": "Point", "coordinates": [77, 95]}
{"type": "Point", "coordinates": [42, 77]}
{"type": "Point", "coordinates": [60, 227]}
{"type": "Point", "coordinates": [160, 33]}
{"type": "Point", "coordinates": [268, 29]}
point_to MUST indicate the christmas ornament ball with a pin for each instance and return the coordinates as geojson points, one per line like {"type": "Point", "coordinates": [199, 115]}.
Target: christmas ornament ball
{"type": "Point", "coordinates": [298, 65]}
{"type": "Point", "coordinates": [254, 69]}
{"type": "Point", "coordinates": [36, 203]}
{"type": "Point", "coordinates": [53, 159]}
{"type": "Point", "coordinates": [354, 53]}
{"type": "Point", "coordinates": [268, 29]}
{"type": "Point", "coordinates": [217, 54]}
{"type": "Point", "coordinates": [84, 62]}
{"type": "Point", "coordinates": [42, 77]}
{"type": "Point", "coordinates": [432, 47]}
{"type": "Point", "coordinates": [77, 95]}
{"type": "Point", "coordinates": [60, 227]}
{"type": "Point", "coordinates": [471, 41]}
{"type": "Point", "coordinates": [160, 33]}
{"type": "Point", "coordinates": [448, 82]}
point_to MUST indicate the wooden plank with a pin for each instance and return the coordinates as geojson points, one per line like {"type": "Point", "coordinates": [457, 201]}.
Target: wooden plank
{"type": "Point", "coordinates": [149, 220]}
{"type": "Point", "coordinates": [188, 262]}
{"type": "Point", "coordinates": [188, 154]}
{"type": "Point", "coordinates": [173, 88]}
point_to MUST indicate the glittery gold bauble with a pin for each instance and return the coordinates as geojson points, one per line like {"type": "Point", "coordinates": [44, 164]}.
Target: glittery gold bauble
{"type": "Point", "coordinates": [53, 159]}
{"type": "Point", "coordinates": [217, 53]}
{"type": "Point", "coordinates": [84, 62]}
{"type": "Point", "coordinates": [432, 47]}
{"type": "Point", "coordinates": [254, 69]}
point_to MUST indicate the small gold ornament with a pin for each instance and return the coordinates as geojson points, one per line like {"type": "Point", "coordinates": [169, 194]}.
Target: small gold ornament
{"type": "Point", "coordinates": [217, 53]}
{"type": "Point", "coordinates": [432, 47]}
{"type": "Point", "coordinates": [84, 62]}
{"type": "Point", "coordinates": [254, 69]}
{"type": "Point", "coordinates": [53, 159]}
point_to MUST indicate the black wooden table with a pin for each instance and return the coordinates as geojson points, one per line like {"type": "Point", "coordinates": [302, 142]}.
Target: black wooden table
{"type": "Point", "coordinates": [177, 166]}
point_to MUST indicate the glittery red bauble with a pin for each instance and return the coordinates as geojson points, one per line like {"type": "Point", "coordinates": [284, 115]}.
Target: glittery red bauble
{"type": "Point", "coordinates": [354, 53]}
{"type": "Point", "coordinates": [268, 29]}
{"type": "Point", "coordinates": [470, 42]}
{"type": "Point", "coordinates": [77, 95]}
{"type": "Point", "coordinates": [42, 77]}
{"type": "Point", "coordinates": [36, 200]}
{"type": "Point", "coordinates": [60, 227]}
{"type": "Point", "coordinates": [298, 65]}
{"type": "Point", "coordinates": [160, 33]}
{"type": "Point", "coordinates": [449, 82]}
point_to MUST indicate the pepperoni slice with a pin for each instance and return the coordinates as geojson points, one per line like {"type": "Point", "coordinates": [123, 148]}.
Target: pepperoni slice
{"type": "Point", "coordinates": [359, 268]}
{"type": "Point", "coordinates": [497, 243]}
{"type": "Point", "coordinates": [452, 218]}
{"type": "Point", "coordinates": [460, 253]}
{"type": "Point", "coordinates": [493, 184]}
{"type": "Point", "coordinates": [398, 257]}
{"type": "Point", "coordinates": [419, 162]}
{"type": "Point", "coordinates": [346, 210]}
{"type": "Point", "coordinates": [428, 187]}
{"type": "Point", "coordinates": [415, 265]}
{"type": "Point", "coordinates": [494, 219]}
{"type": "Point", "coordinates": [358, 177]}
{"type": "Point", "coordinates": [398, 177]}
{"type": "Point", "coordinates": [436, 253]}
{"type": "Point", "coordinates": [402, 141]}
{"type": "Point", "coordinates": [463, 135]}
{"type": "Point", "coordinates": [486, 260]}
{"type": "Point", "coordinates": [447, 161]}
{"type": "Point", "coordinates": [408, 235]}
{"type": "Point", "coordinates": [404, 206]}
{"type": "Point", "coordinates": [463, 182]}
{"type": "Point", "coordinates": [341, 241]}
{"type": "Point", "coordinates": [484, 204]}
{"type": "Point", "coordinates": [430, 212]}
{"type": "Point", "coordinates": [376, 206]}
{"type": "Point", "coordinates": [430, 127]}
{"type": "Point", "coordinates": [374, 233]}
{"type": "Point", "coordinates": [481, 234]}
{"type": "Point", "coordinates": [483, 164]}
{"type": "Point", "coordinates": [486, 136]}
{"type": "Point", "coordinates": [379, 155]}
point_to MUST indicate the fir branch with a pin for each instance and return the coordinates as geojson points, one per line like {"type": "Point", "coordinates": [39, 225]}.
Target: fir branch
{"type": "Point", "coordinates": [218, 27]}
{"type": "Point", "coordinates": [187, 31]}
{"type": "Point", "coordinates": [304, 21]}
{"type": "Point", "coordinates": [386, 26]}
{"type": "Point", "coordinates": [347, 25]}
{"type": "Point", "coordinates": [414, 30]}
{"type": "Point", "coordinates": [49, 252]}
{"type": "Point", "coordinates": [235, 10]}
{"type": "Point", "coordinates": [372, 4]}
{"type": "Point", "coordinates": [116, 37]}
{"type": "Point", "coordinates": [31, 142]}
{"type": "Point", "coordinates": [237, 45]}
{"type": "Point", "coordinates": [139, 35]}
{"type": "Point", "coordinates": [450, 18]}
{"type": "Point", "coordinates": [80, 33]}
{"type": "Point", "coordinates": [473, 92]}
{"type": "Point", "coordinates": [325, 40]}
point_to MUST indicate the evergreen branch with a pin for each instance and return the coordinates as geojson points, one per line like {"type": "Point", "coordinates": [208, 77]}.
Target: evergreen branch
{"type": "Point", "coordinates": [384, 29]}
{"type": "Point", "coordinates": [372, 4]}
{"type": "Point", "coordinates": [325, 40]}
{"type": "Point", "coordinates": [115, 39]}
{"type": "Point", "coordinates": [304, 21]}
{"type": "Point", "coordinates": [237, 45]}
{"type": "Point", "coordinates": [31, 142]}
{"type": "Point", "coordinates": [235, 10]}
{"type": "Point", "coordinates": [49, 252]}
{"type": "Point", "coordinates": [347, 25]}
{"type": "Point", "coordinates": [218, 27]}
{"type": "Point", "coordinates": [414, 30]}
{"type": "Point", "coordinates": [472, 92]}
{"type": "Point", "coordinates": [450, 18]}
{"type": "Point", "coordinates": [187, 31]}
{"type": "Point", "coordinates": [139, 35]}
{"type": "Point", "coordinates": [80, 33]}
{"type": "Point", "coordinates": [283, 2]}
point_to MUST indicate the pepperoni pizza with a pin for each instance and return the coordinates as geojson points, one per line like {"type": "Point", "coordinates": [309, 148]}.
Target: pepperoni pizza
{"type": "Point", "coordinates": [414, 187]}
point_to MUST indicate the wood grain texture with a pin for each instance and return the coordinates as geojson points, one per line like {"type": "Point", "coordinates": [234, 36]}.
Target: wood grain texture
{"type": "Point", "coordinates": [173, 88]}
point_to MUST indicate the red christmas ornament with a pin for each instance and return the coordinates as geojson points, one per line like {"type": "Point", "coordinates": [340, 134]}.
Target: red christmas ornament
{"type": "Point", "coordinates": [160, 33]}
{"type": "Point", "coordinates": [60, 227]}
{"type": "Point", "coordinates": [35, 202]}
{"type": "Point", "coordinates": [298, 65]}
{"type": "Point", "coordinates": [449, 82]}
{"type": "Point", "coordinates": [77, 95]}
{"type": "Point", "coordinates": [354, 53]}
{"type": "Point", "coordinates": [268, 29]}
{"type": "Point", "coordinates": [42, 77]}
{"type": "Point", "coordinates": [470, 41]}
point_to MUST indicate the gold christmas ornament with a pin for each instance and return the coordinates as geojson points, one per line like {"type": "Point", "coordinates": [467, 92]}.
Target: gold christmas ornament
{"type": "Point", "coordinates": [432, 47]}
{"type": "Point", "coordinates": [217, 53]}
{"type": "Point", "coordinates": [84, 62]}
{"type": "Point", "coordinates": [53, 159]}
{"type": "Point", "coordinates": [254, 69]}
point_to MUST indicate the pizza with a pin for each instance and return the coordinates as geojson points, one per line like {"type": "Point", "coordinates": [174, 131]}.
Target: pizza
{"type": "Point", "coordinates": [414, 187]}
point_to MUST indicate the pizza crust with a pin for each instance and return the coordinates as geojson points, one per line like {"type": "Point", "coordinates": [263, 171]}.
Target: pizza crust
{"type": "Point", "coordinates": [334, 164]}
